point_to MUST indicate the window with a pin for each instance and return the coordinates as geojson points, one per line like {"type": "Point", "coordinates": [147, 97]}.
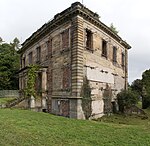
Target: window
{"type": "Point", "coordinates": [65, 39]}
{"type": "Point", "coordinates": [23, 62]}
{"type": "Point", "coordinates": [66, 77]}
{"type": "Point", "coordinates": [89, 42]}
{"type": "Point", "coordinates": [30, 58]}
{"type": "Point", "coordinates": [38, 51]}
{"type": "Point", "coordinates": [49, 48]}
{"type": "Point", "coordinates": [122, 59]}
{"type": "Point", "coordinates": [114, 54]}
{"type": "Point", "coordinates": [104, 48]}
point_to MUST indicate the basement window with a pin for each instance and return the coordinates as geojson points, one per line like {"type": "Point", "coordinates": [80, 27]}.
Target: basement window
{"type": "Point", "coordinates": [89, 40]}
{"type": "Point", "coordinates": [104, 48]}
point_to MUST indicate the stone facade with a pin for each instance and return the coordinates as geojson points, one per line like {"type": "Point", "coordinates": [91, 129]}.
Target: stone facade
{"type": "Point", "coordinates": [73, 45]}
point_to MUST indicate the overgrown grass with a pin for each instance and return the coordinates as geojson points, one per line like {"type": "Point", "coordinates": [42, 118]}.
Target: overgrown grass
{"type": "Point", "coordinates": [6, 100]}
{"type": "Point", "coordinates": [27, 128]}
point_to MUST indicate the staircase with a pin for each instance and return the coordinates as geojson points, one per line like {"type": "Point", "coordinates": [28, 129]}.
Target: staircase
{"type": "Point", "coordinates": [14, 102]}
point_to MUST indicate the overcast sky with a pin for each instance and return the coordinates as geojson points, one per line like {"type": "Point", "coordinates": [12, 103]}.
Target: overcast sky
{"type": "Point", "coordinates": [20, 18]}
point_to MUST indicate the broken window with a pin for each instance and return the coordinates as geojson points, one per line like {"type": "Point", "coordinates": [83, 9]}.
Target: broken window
{"type": "Point", "coordinates": [123, 60]}
{"type": "Point", "coordinates": [104, 48]}
{"type": "Point", "coordinates": [30, 58]}
{"type": "Point", "coordinates": [114, 54]}
{"type": "Point", "coordinates": [38, 54]}
{"type": "Point", "coordinates": [89, 39]}
{"type": "Point", "coordinates": [65, 39]}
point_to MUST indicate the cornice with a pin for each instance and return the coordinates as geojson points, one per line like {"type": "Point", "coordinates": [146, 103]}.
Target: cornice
{"type": "Point", "coordinates": [76, 9]}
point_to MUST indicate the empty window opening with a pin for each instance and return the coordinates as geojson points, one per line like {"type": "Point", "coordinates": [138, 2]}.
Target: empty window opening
{"type": "Point", "coordinates": [123, 60]}
{"type": "Point", "coordinates": [104, 48]}
{"type": "Point", "coordinates": [114, 54]}
{"type": "Point", "coordinates": [89, 42]}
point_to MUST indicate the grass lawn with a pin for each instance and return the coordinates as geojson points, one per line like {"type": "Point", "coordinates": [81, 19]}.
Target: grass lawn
{"type": "Point", "coordinates": [5, 100]}
{"type": "Point", "coordinates": [27, 128]}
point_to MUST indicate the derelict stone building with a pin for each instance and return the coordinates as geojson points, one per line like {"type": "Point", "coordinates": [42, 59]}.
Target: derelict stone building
{"type": "Point", "coordinates": [73, 45]}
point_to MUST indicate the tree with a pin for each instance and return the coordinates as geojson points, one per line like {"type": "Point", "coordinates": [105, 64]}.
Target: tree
{"type": "Point", "coordinates": [113, 28]}
{"type": "Point", "coordinates": [9, 65]}
{"type": "Point", "coordinates": [137, 86]}
{"type": "Point", "coordinates": [16, 44]}
{"type": "Point", "coordinates": [146, 89]}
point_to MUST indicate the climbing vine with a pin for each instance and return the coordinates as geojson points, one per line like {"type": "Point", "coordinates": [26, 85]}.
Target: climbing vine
{"type": "Point", "coordinates": [31, 78]}
{"type": "Point", "coordinates": [86, 98]}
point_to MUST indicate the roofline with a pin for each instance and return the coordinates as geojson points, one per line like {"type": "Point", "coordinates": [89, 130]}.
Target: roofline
{"type": "Point", "coordinates": [76, 9]}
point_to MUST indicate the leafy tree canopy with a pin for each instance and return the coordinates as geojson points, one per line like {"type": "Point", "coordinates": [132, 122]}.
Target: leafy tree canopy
{"type": "Point", "coordinates": [137, 86]}
{"type": "Point", "coordinates": [9, 65]}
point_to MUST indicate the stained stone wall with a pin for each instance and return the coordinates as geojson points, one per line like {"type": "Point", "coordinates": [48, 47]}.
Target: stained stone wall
{"type": "Point", "coordinates": [101, 71]}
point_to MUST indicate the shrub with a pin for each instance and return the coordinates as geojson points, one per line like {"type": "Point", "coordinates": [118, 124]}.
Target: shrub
{"type": "Point", "coordinates": [126, 98]}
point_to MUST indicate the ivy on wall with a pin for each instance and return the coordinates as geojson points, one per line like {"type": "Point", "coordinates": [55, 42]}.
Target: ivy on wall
{"type": "Point", "coordinates": [31, 78]}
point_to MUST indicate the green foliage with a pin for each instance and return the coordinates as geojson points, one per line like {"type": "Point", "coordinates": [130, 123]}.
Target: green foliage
{"type": "Point", "coordinates": [113, 28]}
{"type": "Point", "coordinates": [9, 65]}
{"type": "Point", "coordinates": [146, 89]}
{"type": "Point", "coordinates": [31, 77]}
{"type": "Point", "coordinates": [137, 86]}
{"type": "Point", "coordinates": [86, 98]}
{"type": "Point", "coordinates": [126, 98]}
{"type": "Point", "coordinates": [22, 128]}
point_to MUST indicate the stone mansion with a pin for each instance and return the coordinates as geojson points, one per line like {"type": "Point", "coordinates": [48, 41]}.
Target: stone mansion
{"type": "Point", "coordinates": [73, 45]}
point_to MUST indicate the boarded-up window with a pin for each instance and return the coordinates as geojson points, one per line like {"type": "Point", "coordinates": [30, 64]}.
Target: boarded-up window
{"type": "Point", "coordinates": [23, 62]}
{"type": "Point", "coordinates": [38, 53]}
{"type": "Point", "coordinates": [64, 108]}
{"type": "Point", "coordinates": [56, 44]}
{"type": "Point", "coordinates": [30, 58]}
{"type": "Point", "coordinates": [66, 77]}
{"type": "Point", "coordinates": [49, 47]}
{"type": "Point", "coordinates": [65, 39]}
